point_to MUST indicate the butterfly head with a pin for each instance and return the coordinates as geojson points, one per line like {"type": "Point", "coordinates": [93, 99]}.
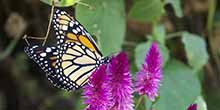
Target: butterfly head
{"type": "Point", "coordinates": [106, 59]}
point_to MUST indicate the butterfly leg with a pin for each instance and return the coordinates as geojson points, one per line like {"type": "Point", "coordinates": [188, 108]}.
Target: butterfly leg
{"type": "Point", "coordinates": [25, 37]}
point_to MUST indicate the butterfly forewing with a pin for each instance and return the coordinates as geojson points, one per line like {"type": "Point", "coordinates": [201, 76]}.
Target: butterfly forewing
{"type": "Point", "coordinates": [69, 29]}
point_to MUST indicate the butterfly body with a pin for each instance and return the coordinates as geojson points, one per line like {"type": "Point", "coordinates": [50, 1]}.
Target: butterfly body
{"type": "Point", "coordinates": [69, 64]}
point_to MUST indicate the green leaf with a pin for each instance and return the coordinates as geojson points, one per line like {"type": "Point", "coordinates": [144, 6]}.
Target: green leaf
{"type": "Point", "coordinates": [201, 103]}
{"type": "Point", "coordinates": [106, 21]}
{"type": "Point", "coordinates": [180, 87]}
{"type": "Point", "coordinates": [146, 10]}
{"type": "Point", "coordinates": [176, 4]}
{"type": "Point", "coordinates": [142, 49]}
{"type": "Point", "coordinates": [196, 50]}
{"type": "Point", "coordinates": [158, 34]}
{"type": "Point", "coordinates": [61, 3]}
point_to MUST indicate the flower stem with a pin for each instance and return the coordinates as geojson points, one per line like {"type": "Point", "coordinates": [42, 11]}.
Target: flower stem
{"type": "Point", "coordinates": [211, 14]}
{"type": "Point", "coordinates": [175, 34]}
{"type": "Point", "coordinates": [49, 25]}
{"type": "Point", "coordinates": [9, 49]}
{"type": "Point", "coordinates": [25, 38]}
{"type": "Point", "coordinates": [139, 101]}
{"type": "Point", "coordinates": [84, 4]}
{"type": "Point", "coordinates": [151, 105]}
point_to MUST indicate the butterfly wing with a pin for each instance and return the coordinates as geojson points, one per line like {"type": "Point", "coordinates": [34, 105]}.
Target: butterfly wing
{"type": "Point", "coordinates": [77, 62]}
{"type": "Point", "coordinates": [68, 29]}
{"type": "Point", "coordinates": [46, 58]}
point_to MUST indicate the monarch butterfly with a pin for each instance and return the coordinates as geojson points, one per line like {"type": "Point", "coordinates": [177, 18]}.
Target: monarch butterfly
{"type": "Point", "coordinates": [69, 65]}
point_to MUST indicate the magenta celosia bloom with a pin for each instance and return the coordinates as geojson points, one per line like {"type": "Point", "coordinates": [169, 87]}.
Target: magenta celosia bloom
{"type": "Point", "coordinates": [96, 92]}
{"type": "Point", "coordinates": [120, 83]}
{"type": "Point", "coordinates": [149, 76]}
{"type": "Point", "coordinates": [192, 107]}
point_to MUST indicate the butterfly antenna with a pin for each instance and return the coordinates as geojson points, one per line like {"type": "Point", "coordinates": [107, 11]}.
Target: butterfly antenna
{"type": "Point", "coordinates": [25, 37]}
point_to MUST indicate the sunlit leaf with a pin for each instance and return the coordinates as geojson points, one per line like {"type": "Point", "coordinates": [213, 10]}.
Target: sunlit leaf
{"type": "Point", "coordinates": [176, 4]}
{"type": "Point", "coordinates": [158, 34]}
{"type": "Point", "coordinates": [196, 50]}
{"type": "Point", "coordinates": [180, 87]}
{"type": "Point", "coordinates": [146, 10]}
{"type": "Point", "coordinates": [106, 20]}
{"type": "Point", "coordinates": [201, 103]}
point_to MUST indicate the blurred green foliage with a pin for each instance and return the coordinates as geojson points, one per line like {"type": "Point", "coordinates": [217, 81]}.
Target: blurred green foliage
{"type": "Point", "coordinates": [196, 50]}
{"type": "Point", "coordinates": [106, 21]}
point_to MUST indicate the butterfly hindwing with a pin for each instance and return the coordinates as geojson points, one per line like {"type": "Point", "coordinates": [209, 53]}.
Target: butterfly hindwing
{"type": "Point", "coordinates": [46, 58]}
{"type": "Point", "coordinates": [77, 62]}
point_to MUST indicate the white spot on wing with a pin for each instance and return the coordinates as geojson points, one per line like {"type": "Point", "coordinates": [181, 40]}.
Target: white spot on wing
{"type": "Point", "coordinates": [75, 31]}
{"type": "Point", "coordinates": [48, 50]}
{"type": "Point", "coordinates": [43, 54]}
{"type": "Point", "coordinates": [76, 23]}
{"type": "Point", "coordinates": [64, 27]}
{"type": "Point", "coordinates": [71, 24]}
{"type": "Point", "coordinates": [78, 29]}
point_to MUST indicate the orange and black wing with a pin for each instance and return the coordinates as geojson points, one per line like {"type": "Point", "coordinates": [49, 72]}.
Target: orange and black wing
{"type": "Point", "coordinates": [68, 29]}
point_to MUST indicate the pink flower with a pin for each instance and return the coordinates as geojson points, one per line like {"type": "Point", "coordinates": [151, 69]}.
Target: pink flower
{"type": "Point", "coordinates": [96, 92]}
{"type": "Point", "coordinates": [192, 107]}
{"type": "Point", "coordinates": [149, 76]}
{"type": "Point", "coordinates": [120, 83]}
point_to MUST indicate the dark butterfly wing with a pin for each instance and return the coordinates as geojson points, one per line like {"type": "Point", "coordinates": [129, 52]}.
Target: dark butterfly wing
{"type": "Point", "coordinates": [68, 29]}
{"type": "Point", "coordinates": [46, 58]}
